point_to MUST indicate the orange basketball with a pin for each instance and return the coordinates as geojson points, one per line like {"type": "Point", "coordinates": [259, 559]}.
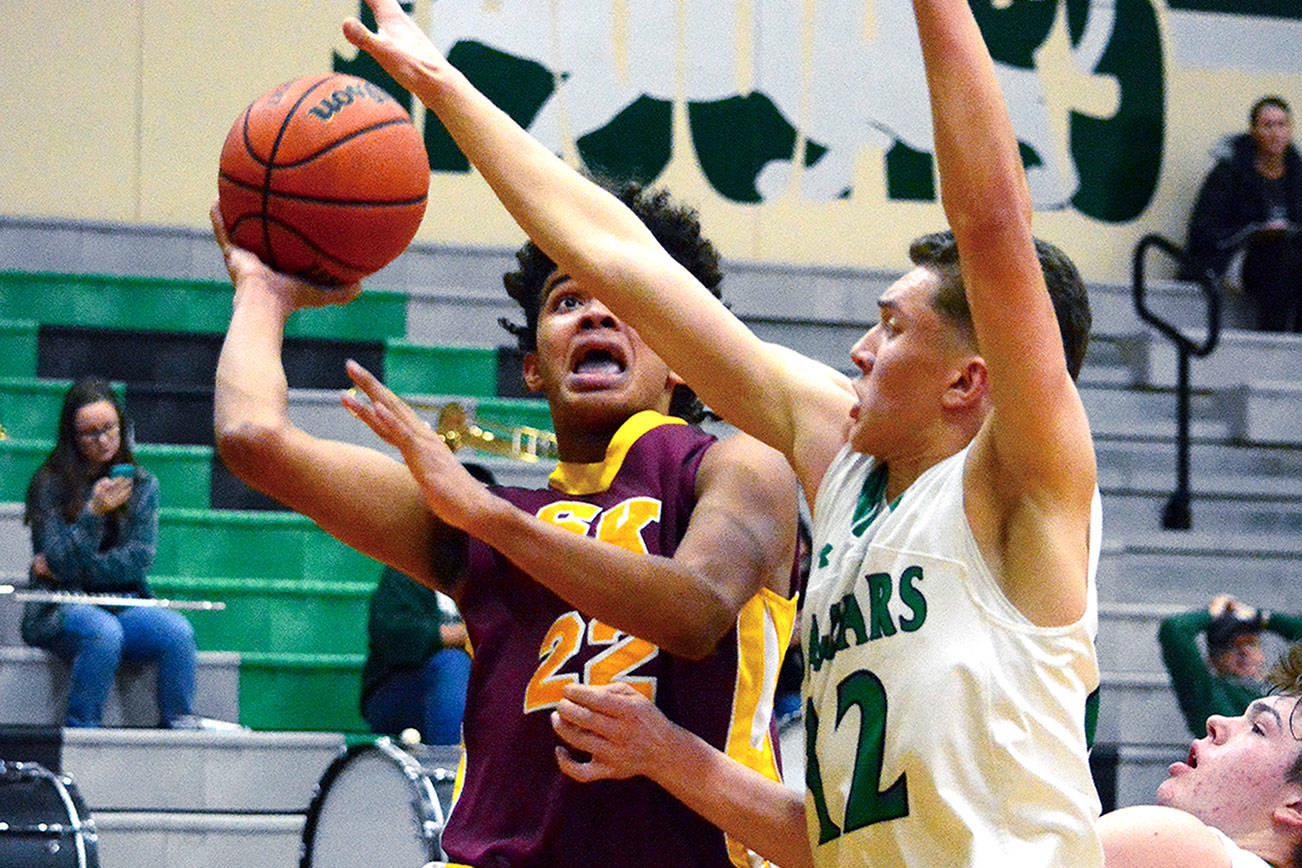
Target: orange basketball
{"type": "Point", "coordinates": [324, 177]}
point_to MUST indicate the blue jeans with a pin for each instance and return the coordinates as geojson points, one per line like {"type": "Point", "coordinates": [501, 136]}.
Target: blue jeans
{"type": "Point", "coordinates": [95, 641]}
{"type": "Point", "coordinates": [431, 699]}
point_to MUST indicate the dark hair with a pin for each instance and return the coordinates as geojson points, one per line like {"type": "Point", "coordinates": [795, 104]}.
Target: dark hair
{"type": "Point", "coordinates": [1267, 102]}
{"type": "Point", "coordinates": [65, 463]}
{"type": "Point", "coordinates": [480, 472]}
{"type": "Point", "coordinates": [1228, 626]}
{"type": "Point", "coordinates": [939, 253]}
{"type": "Point", "coordinates": [678, 230]}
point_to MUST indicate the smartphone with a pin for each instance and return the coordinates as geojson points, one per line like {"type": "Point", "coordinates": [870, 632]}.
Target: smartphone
{"type": "Point", "coordinates": [122, 470]}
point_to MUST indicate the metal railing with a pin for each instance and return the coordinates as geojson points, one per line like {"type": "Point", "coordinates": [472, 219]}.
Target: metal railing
{"type": "Point", "coordinates": [1177, 514]}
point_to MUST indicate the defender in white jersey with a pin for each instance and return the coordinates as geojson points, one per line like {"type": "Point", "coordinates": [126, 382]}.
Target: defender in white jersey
{"type": "Point", "coordinates": [1236, 800]}
{"type": "Point", "coordinates": [909, 584]}
{"type": "Point", "coordinates": [973, 359]}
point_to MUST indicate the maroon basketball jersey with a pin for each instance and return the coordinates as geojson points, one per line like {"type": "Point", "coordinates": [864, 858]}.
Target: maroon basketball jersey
{"type": "Point", "coordinates": [514, 807]}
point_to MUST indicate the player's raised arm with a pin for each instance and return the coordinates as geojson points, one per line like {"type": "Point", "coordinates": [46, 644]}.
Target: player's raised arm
{"type": "Point", "coordinates": [1033, 456]}
{"type": "Point", "coordinates": [741, 536]}
{"type": "Point", "coordinates": [595, 240]}
{"type": "Point", "coordinates": [358, 495]}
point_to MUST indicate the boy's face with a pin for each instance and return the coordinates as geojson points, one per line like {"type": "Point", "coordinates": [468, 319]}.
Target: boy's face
{"type": "Point", "coordinates": [1243, 658]}
{"type": "Point", "coordinates": [1236, 777]}
{"type": "Point", "coordinates": [906, 362]}
{"type": "Point", "coordinates": [1272, 130]}
{"type": "Point", "coordinates": [588, 360]}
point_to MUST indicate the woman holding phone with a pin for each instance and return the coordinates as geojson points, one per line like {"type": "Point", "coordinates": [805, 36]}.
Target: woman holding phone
{"type": "Point", "coordinates": [94, 518]}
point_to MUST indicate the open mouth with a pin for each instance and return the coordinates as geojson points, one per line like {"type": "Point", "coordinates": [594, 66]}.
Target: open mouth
{"type": "Point", "coordinates": [598, 363]}
{"type": "Point", "coordinates": [1192, 759]}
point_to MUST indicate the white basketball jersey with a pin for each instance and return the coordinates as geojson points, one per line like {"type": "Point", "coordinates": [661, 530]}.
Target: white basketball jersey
{"type": "Point", "coordinates": [946, 728]}
{"type": "Point", "coordinates": [1239, 858]}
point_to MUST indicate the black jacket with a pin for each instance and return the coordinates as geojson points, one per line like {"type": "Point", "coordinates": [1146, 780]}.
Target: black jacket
{"type": "Point", "coordinates": [1233, 197]}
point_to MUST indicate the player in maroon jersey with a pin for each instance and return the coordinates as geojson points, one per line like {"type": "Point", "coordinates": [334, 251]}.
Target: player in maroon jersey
{"type": "Point", "coordinates": [658, 556]}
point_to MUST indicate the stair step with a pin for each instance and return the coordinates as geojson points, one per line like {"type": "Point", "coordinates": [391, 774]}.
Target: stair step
{"type": "Point", "coordinates": [130, 839]}
{"type": "Point", "coordinates": [170, 304]}
{"type": "Point", "coordinates": [34, 689]}
{"type": "Point", "coordinates": [1139, 708]}
{"type": "Point", "coordinates": [199, 771]}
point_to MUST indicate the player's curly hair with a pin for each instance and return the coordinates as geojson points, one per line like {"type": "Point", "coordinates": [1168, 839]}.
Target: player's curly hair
{"type": "Point", "coordinates": [939, 252]}
{"type": "Point", "coordinates": [678, 230]}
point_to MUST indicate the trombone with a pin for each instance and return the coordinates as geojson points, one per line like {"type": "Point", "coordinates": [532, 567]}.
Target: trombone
{"type": "Point", "coordinates": [519, 442]}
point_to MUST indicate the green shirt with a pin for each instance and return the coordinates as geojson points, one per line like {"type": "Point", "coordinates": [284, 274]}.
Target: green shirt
{"type": "Point", "coordinates": [402, 628]}
{"type": "Point", "coordinates": [1199, 690]}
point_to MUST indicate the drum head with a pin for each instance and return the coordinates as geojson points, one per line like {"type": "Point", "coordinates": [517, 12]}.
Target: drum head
{"type": "Point", "coordinates": [374, 806]}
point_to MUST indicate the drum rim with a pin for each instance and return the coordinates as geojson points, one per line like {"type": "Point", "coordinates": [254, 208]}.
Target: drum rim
{"type": "Point", "coordinates": [426, 799]}
{"type": "Point", "coordinates": [84, 835]}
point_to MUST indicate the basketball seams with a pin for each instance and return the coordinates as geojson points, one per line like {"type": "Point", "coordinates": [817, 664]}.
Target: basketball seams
{"type": "Point", "coordinates": [268, 221]}
{"type": "Point", "coordinates": [271, 167]}
{"type": "Point", "coordinates": [282, 196]}
{"type": "Point", "coordinates": [341, 141]}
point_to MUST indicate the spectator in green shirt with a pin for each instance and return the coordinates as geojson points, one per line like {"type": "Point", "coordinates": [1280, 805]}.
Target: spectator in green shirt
{"type": "Point", "coordinates": [1230, 676]}
{"type": "Point", "coordinates": [417, 662]}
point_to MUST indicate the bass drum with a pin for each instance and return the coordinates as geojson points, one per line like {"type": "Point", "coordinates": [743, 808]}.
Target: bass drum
{"type": "Point", "coordinates": [43, 820]}
{"type": "Point", "coordinates": [380, 804]}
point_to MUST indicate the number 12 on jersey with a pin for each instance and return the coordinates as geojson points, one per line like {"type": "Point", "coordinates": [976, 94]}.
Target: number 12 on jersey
{"type": "Point", "coordinates": [866, 802]}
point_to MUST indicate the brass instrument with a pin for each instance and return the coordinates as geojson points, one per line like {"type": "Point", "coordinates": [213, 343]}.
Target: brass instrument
{"type": "Point", "coordinates": [513, 441]}
{"type": "Point", "coordinates": [10, 592]}
{"type": "Point", "coordinates": [3, 435]}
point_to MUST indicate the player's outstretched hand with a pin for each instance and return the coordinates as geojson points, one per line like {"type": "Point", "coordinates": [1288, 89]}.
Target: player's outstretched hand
{"type": "Point", "coordinates": [623, 731]}
{"type": "Point", "coordinates": [246, 269]}
{"type": "Point", "coordinates": [398, 44]}
{"type": "Point", "coordinates": [450, 491]}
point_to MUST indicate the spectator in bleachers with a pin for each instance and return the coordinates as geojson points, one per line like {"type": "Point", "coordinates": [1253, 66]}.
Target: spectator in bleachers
{"type": "Point", "coordinates": [417, 665]}
{"type": "Point", "coordinates": [1230, 675]}
{"type": "Point", "coordinates": [1245, 222]}
{"type": "Point", "coordinates": [94, 518]}
{"type": "Point", "coordinates": [1236, 800]}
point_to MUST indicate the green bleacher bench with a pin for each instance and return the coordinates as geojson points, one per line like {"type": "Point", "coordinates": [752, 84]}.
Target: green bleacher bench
{"type": "Point", "coordinates": [169, 304]}
{"type": "Point", "coordinates": [514, 412]}
{"type": "Point", "coordinates": [255, 544]}
{"type": "Point", "coordinates": [17, 348]}
{"type": "Point", "coordinates": [184, 472]}
{"type": "Point", "coordinates": [415, 369]}
{"type": "Point", "coordinates": [274, 615]}
{"type": "Point", "coordinates": [305, 692]}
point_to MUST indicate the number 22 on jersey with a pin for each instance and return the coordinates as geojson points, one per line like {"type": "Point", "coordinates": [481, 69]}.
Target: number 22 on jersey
{"type": "Point", "coordinates": [622, 653]}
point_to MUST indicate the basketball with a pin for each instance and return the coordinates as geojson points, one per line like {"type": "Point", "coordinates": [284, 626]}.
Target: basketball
{"type": "Point", "coordinates": [324, 177]}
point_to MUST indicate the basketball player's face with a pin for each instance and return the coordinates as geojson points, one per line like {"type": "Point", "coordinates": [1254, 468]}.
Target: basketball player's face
{"type": "Point", "coordinates": [906, 362]}
{"type": "Point", "coordinates": [587, 357]}
{"type": "Point", "coordinates": [1235, 777]}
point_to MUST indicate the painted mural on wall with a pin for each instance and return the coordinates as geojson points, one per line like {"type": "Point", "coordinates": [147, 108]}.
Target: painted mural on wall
{"type": "Point", "coordinates": [799, 128]}
{"type": "Point", "coordinates": [772, 83]}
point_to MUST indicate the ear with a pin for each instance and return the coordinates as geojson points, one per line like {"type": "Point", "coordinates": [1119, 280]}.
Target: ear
{"type": "Point", "coordinates": [1289, 814]}
{"type": "Point", "coordinates": [532, 377]}
{"type": "Point", "coordinates": [969, 387]}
